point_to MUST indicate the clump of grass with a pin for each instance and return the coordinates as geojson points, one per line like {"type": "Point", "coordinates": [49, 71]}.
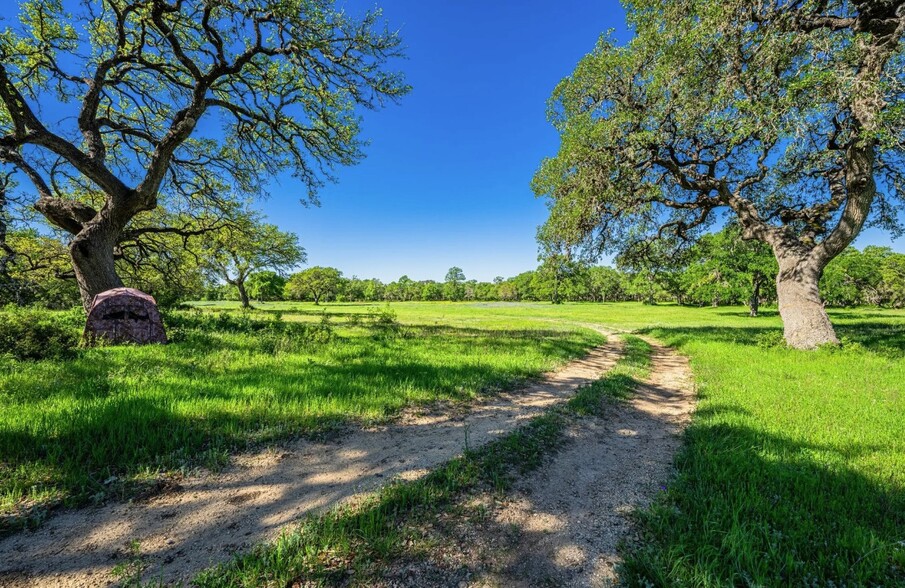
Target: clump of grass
{"type": "Point", "coordinates": [619, 383]}
{"type": "Point", "coordinates": [324, 547]}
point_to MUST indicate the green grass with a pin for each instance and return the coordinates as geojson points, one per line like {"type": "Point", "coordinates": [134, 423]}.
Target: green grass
{"type": "Point", "coordinates": [365, 536]}
{"type": "Point", "coordinates": [793, 471]}
{"type": "Point", "coordinates": [112, 419]}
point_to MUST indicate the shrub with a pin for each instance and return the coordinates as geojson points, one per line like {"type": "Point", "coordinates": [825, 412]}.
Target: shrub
{"type": "Point", "coordinates": [35, 334]}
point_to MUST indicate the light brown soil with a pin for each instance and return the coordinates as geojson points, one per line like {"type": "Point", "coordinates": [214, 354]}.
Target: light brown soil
{"type": "Point", "coordinates": [572, 514]}
{"type": "Point", "coordinates": [560, 526]}
{"type": "Point", "coordinates": [207, 519]}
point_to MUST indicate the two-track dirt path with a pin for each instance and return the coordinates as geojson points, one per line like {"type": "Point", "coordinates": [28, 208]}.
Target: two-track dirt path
{"type": "Point", "coordinates": [207, 519]}
{"type": "Point", "coordinates": [561, 525]}
{"type": "Point", "coordinates": [572, 513]}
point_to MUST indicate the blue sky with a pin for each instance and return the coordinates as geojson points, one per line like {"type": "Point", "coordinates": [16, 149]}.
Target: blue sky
{"type": "Point", "coordinates": [446, 179]}
{"type": "Point", "coordinates": [447, 174]}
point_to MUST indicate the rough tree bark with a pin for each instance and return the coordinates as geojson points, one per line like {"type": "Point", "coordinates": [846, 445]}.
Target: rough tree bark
{"type": "Point", "coordinates": [96, 235]}
{"type": "Point", "coordinates": [243, 294]}
{"type": "Point", "coordinates": [806, 324]}
{"type": "Point", "coordinates": [94, 263]}
{"type": "Point", "coordinates": [6, 252]}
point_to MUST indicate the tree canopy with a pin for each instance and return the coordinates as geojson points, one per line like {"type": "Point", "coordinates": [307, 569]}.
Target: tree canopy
{"type": "Point", "coordinates": [315, 283]}
{"type": "Point", "coordinates": [184, 105]}
{"type": "Point", "coordinates": [246, 246]}
{"type": "Point", "coordinates": [787, 115]}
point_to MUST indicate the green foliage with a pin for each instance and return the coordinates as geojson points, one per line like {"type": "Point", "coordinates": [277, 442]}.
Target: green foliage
{"type": "Point", "coordinates": [725, 269]}
{"type": "Point", "coordinates": [248, 245]}
{"type": "Point", "coordinates": [168, 118]}
{"type": "Point", "coordinates": [704, 93]}
{"type": "Point", "coordinates": [872, 276]}
{"type": "Point", "coordinates": [266, 286]}
{"type": "Point", "coordinates": [34, 271]}
{"type": "Point", "coordinates": [34, 334]}
{"type": "Point", "coordinates": [786, 116]}
{"type": "Point", "coordinates": [315, 283]}
{"type": "Point", "coordinates": [453, 287]}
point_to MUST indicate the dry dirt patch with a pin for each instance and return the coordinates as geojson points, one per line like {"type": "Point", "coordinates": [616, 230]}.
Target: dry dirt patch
{"type": "Point", "coordinates": [560, 526]}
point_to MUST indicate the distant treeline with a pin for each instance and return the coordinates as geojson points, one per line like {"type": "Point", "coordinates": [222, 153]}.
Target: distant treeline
{"type": "Point", "coordinates": [720, 269]}
{"type": "Point", "coordinates": [874, 276]}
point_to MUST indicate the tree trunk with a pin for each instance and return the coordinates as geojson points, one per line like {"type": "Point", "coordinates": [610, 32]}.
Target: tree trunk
{"type": "Point", "coordinates": [754, 305]}
{"type": "Point", "coordinates": [243, 295]}
{"type": "Point", "coordinates": [6, 252]}
{"type": "Point", "coordinates": [93, 262]}
{"type": "Point", "coordinates": [805, 322]}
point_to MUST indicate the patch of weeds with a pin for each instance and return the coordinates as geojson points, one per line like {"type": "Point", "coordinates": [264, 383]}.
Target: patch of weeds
{"type": "Point", "coordinates": [770, 340]}
{"type": "Point", "coordinates": [384, 324]}
{"type": "Point", "coordinates": [129, 572]}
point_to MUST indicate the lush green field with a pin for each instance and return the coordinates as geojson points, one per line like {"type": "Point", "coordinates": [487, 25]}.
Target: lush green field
{"type": "Point", "coordinates": [793, 471]}
{"type": "Point", "coordinates": [112, 418]}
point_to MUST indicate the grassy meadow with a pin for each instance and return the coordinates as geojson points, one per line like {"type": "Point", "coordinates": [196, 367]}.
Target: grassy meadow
{"type": "Point", "coordinates": [793, 470]}
{"type": "Point", "coordinates": [112, 420]}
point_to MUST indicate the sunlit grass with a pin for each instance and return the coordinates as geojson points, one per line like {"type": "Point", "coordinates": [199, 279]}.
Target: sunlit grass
{"type": "Point", "coordinates": [87, 428]}
{"type": "Point", "coordinates": [361, 538]}
{"type": "Point", "coordinates": [793, 472]}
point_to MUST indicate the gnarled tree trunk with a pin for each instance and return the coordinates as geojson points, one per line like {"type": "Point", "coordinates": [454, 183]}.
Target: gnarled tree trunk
{"type": "Point", "coordinates": [805, 322]}
{"type": "Point", "coordinates": [93, 261]}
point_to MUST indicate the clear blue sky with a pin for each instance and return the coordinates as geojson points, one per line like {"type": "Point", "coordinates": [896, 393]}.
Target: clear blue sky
{"type": "Point", "coordinates": [446, 178]}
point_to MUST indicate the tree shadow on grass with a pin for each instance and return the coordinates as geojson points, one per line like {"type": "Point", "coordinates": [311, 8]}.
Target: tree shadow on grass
{"type": "Point", "coordinates": [886, 337]}
{"type": "Point", "coordinates": [751, 508]}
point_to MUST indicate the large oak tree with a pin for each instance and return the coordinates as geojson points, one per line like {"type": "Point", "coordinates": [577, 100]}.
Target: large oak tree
{"type": "Point", "coordinates": [122, 107]}
{"type": "Point", "coordinates": [786, 114]}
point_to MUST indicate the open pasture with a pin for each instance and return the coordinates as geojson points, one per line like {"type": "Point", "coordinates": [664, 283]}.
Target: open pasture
{"type": "Point", "coordinates": [793, 469]}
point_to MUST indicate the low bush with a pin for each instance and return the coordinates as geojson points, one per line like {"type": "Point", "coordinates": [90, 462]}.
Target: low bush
{"type": "Point", "coordinates": [35, 334]}
{"type": "Point", "coordinates": [269, 335]}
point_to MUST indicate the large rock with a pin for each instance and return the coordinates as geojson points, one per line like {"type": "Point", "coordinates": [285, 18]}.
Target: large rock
{"type": "Point", "coordinates": [124, 315]}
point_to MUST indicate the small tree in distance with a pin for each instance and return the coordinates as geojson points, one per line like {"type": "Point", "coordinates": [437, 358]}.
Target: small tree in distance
{"type": "Point", "coordinates": [248, 246]}
{"type": "Point", "coordinates": [315, 283]}
{"type": "Point", "coordinates": [266, 286]}
{"type": "Point", "coordinates": [453, 287]}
